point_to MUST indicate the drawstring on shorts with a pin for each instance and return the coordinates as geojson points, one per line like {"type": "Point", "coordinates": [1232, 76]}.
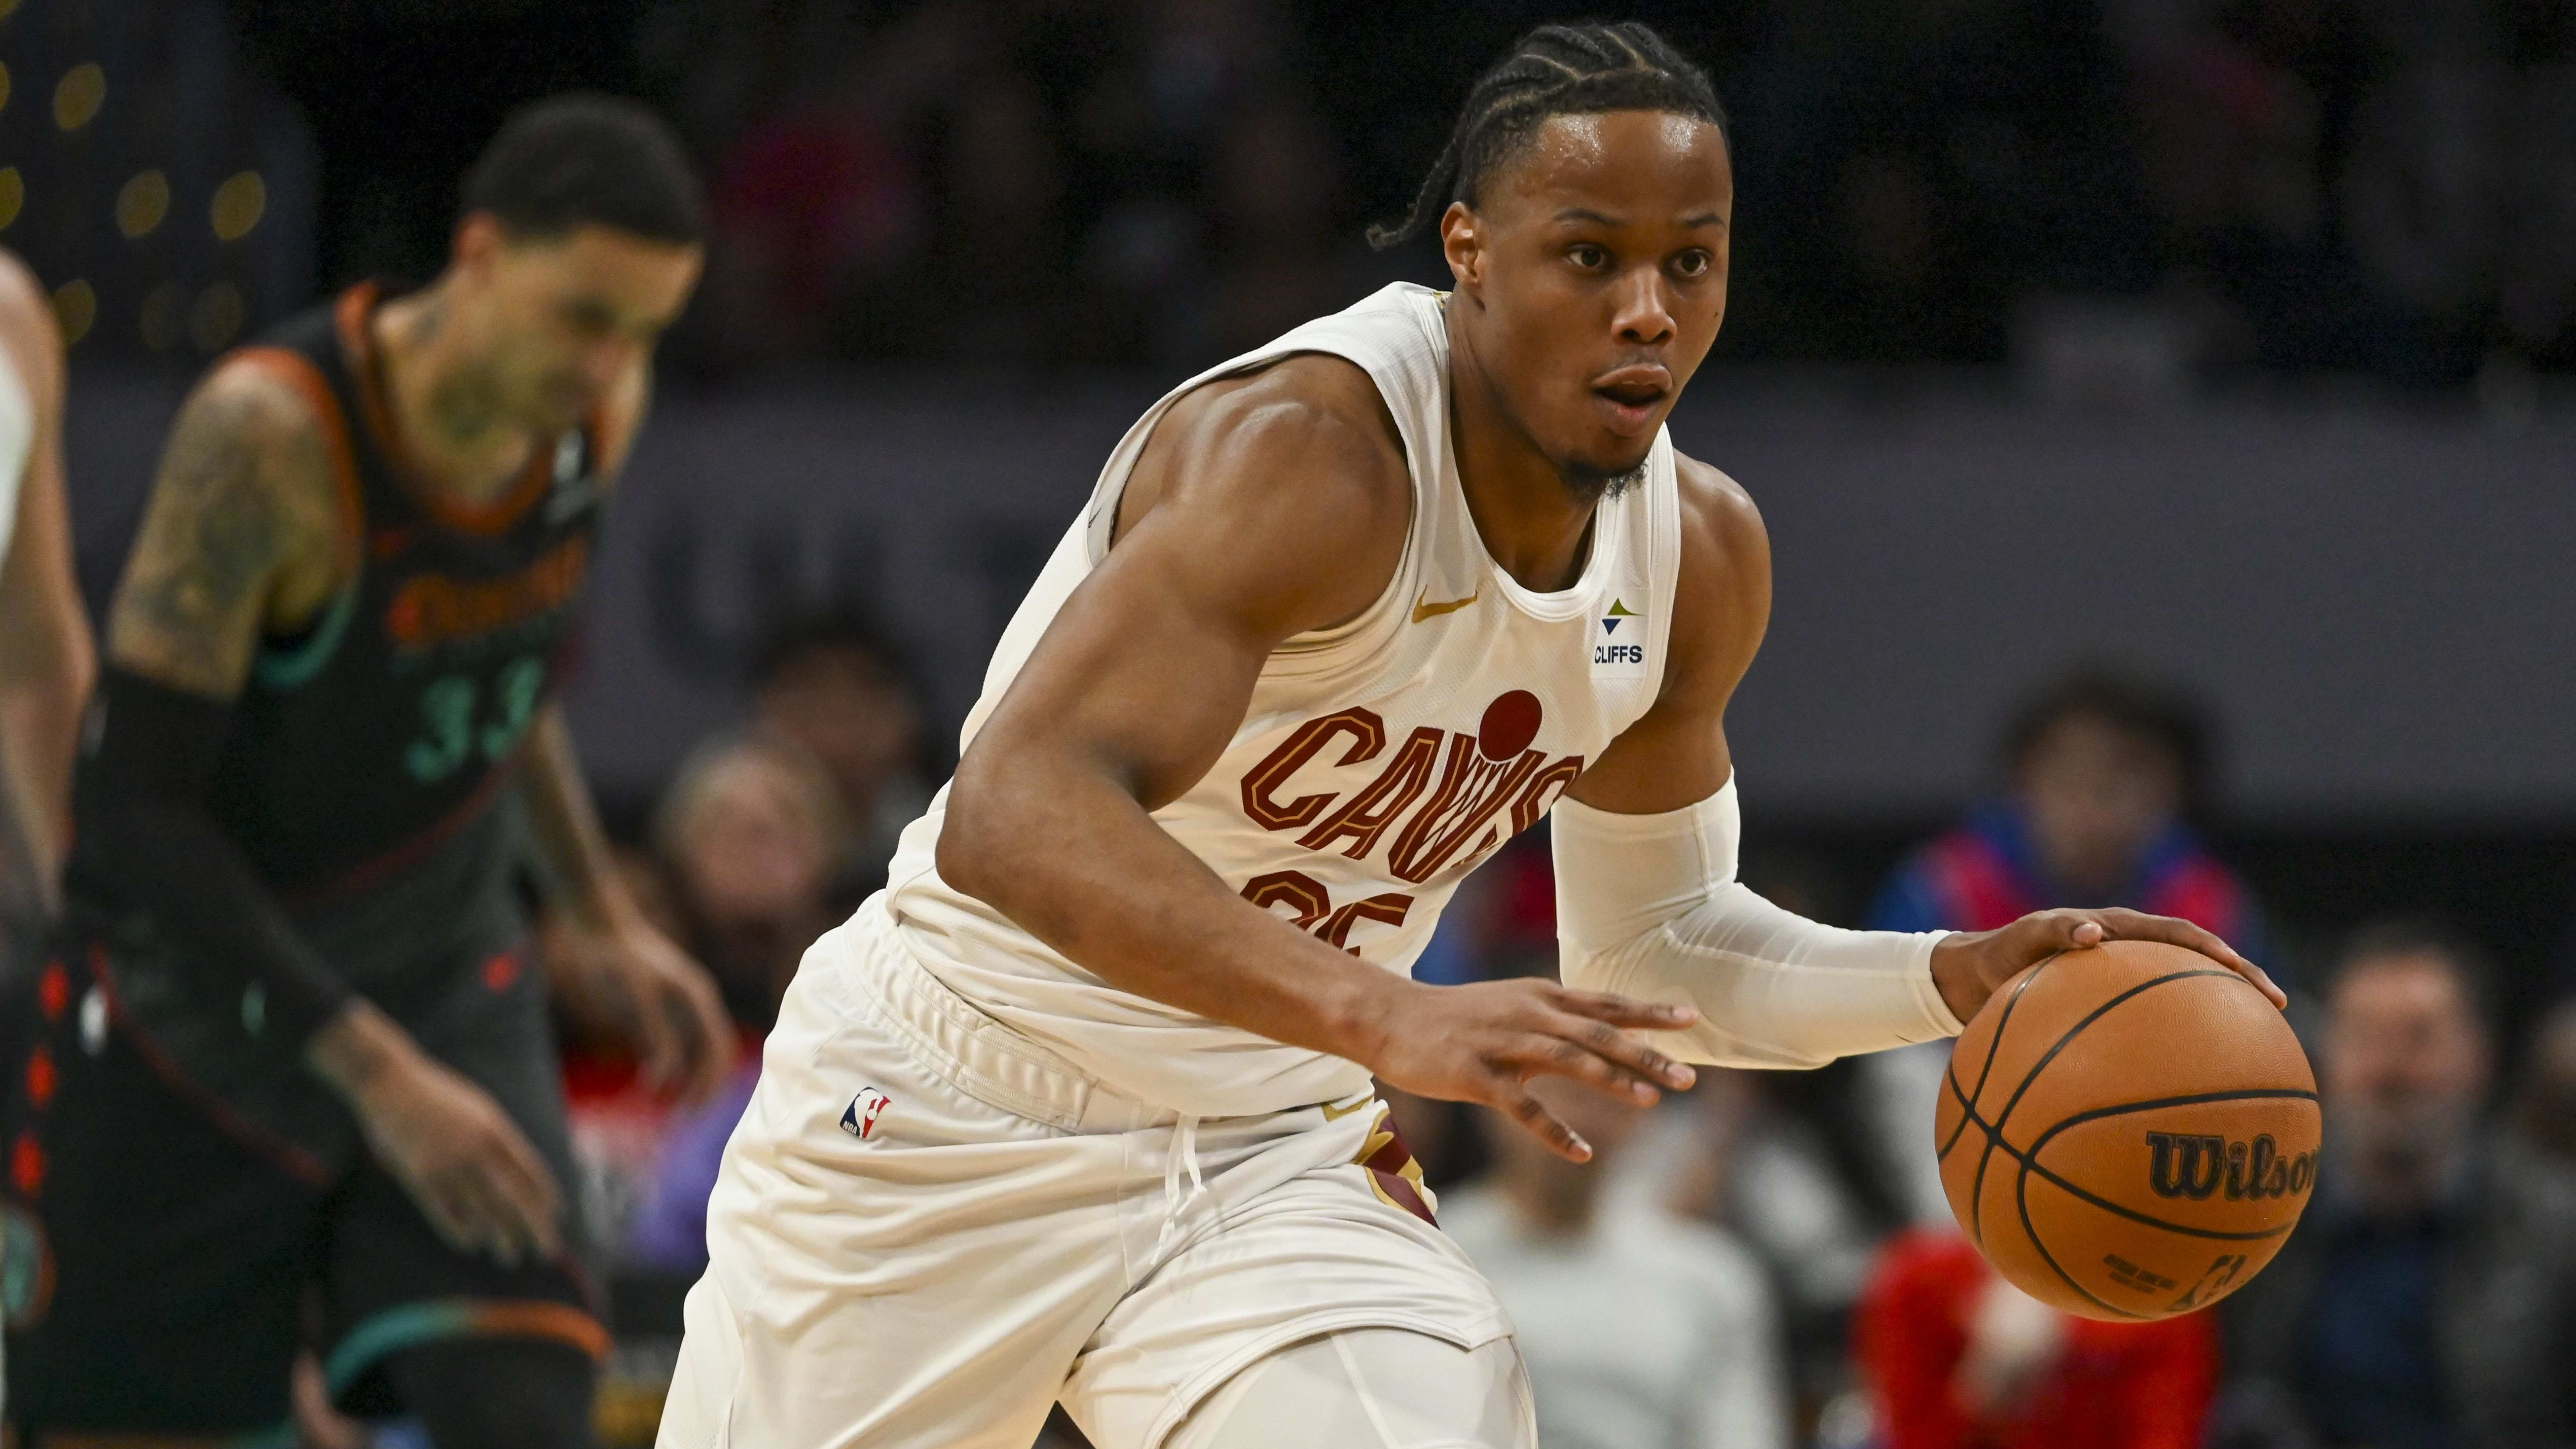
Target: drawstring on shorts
{"type": "Point", "coordinates": [1185, 1148]}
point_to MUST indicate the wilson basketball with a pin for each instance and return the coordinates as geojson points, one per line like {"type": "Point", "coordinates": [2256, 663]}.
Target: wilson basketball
{"type": "Point", "coordinates": [2128, 1131]}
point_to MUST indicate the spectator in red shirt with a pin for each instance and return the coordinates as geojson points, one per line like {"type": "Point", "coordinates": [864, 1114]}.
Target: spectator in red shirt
{"type": "Point", "coordinates": [1958, 1359]}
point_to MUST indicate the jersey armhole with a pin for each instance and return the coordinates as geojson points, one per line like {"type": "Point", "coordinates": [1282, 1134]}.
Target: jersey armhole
{"type": "Point", "coordinates": [1664, 556]}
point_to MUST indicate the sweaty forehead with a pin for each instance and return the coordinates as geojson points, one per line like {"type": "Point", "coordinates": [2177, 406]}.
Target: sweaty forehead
{"type": "Point", "coordinates": [1642, 164]}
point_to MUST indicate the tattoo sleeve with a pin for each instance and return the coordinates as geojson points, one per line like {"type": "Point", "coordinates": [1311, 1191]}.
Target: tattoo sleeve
{"type": "Point", "coordinates": [242, 493]}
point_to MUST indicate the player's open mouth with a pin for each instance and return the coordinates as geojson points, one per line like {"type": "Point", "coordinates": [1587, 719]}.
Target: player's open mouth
{"type": "Point", "coordinates": [1631, 397]}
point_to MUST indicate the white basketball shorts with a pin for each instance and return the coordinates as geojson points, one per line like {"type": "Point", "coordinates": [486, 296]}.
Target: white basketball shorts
{"type": "Point", "coordinates": [929, 1228]}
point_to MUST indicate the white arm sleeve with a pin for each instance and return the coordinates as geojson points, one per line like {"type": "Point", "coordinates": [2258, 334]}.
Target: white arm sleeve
{"type": "Point", "coordinates": [1647, 906]}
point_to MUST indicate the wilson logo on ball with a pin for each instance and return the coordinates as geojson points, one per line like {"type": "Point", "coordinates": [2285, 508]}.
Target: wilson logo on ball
{"type": "Point", "coordinates": [2181, 1164]}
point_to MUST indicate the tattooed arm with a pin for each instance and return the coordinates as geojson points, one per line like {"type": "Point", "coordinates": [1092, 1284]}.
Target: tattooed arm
{"type": "Point", "coordinates": [241, 537]}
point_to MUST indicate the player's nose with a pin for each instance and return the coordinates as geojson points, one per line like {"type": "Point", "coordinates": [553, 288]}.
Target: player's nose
{"type": "Point", "coordinates": [1644, 317]}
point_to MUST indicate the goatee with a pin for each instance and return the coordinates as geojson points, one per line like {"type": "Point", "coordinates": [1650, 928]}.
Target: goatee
{"type": "Point", "coordinates": [1589, 484]}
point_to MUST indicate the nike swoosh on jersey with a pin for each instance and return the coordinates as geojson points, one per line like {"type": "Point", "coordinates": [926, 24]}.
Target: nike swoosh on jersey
{"type": "Point", "coordinates": [1422, 611]}
{"type": "Point", "coordinates": [1335, 1114]}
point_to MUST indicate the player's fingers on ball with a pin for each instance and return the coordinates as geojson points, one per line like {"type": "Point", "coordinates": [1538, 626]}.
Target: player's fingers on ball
{"type": "Point", "coordinates": [2080, 928]}
{"type": "Point", "coordinates": [2174, 931]}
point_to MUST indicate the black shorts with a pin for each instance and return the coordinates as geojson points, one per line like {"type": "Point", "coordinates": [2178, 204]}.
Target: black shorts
{"type": "Point", "coordinates": [168, 1256]}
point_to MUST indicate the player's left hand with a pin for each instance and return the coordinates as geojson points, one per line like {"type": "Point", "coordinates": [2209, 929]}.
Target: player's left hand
{"type": "Point", "coordinates": [1967, 966]}
{"type": "Point", "coordinates": [648, 990]}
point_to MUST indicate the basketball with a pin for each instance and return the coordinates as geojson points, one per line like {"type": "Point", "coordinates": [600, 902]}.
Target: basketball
{"type": "Point", "coordinates": [2128, 1131]}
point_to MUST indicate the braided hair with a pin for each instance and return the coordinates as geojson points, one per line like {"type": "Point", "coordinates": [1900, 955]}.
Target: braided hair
{"type": "Point", "coordinates": [1555, 70]}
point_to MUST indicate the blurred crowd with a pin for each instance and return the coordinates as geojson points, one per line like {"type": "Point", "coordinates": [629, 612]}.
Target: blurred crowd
{"type": "Point", "coordinates": [1768, 1261]}
{"type": "Point", "coordinates": [2119, 197]}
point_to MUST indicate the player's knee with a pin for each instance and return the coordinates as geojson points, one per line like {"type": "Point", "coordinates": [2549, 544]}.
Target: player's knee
{"type": "Point", "coordinates": [1372, 1388]}
{"type": "Point", "coordinates": [498, 1393]}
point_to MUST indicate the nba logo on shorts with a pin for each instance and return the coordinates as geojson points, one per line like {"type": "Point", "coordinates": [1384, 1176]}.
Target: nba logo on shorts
{"type": "Point", "coordinates": [861, 1118]}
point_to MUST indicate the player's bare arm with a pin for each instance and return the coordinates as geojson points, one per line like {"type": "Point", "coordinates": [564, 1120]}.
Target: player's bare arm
{"type": "Point", "coordinates": [1677, 755]}
{"type": "Point", "coordinates": [242, 536]}
{"type": "Point", "coordinates": [1261, 509]}
{"type": "Point", "coordinates": [47, 661]}
{"type": "Point", "coordinates": [614, 966]}
{"type": "Point", "coordinates": [239, 536]}
{"type": "Point", "coordinates": [623, 971]}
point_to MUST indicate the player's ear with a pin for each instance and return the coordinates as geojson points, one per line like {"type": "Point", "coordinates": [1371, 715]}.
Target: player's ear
{"type": "Point", "coordinates": [1462, 240]}
{"type": "Point", "coordinates": [477, 243]}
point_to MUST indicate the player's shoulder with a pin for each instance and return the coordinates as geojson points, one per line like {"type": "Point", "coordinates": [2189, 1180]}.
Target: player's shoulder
{"type": "Point", "coordinates": [1720, 524]}
{"type": "Point", "coordinates": [1307, 406]}
{"type": "Point", "coordinates": [1303, 452]}
{"type": "Point", "coordinates": [255, 422]}
{"type": "Point", "coordinates": [259, 394]}
{"type": "Point", "coordinates": [1725, 578]}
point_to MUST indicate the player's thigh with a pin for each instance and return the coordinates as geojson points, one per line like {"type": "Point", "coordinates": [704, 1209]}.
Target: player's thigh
{"type": "Point", "coordinates": [1369, 1388]}
{"type": "Point", "coordinates": [1332, 1249]}
{"type": "Point", "coordinates": [394, 1286]}
{"type": "Point", "coordinates": [493, 1024]}
{"type": "Point", "coordinates": [892, 1261]}
{"type": "Point", "coordinates": [158, 1263]}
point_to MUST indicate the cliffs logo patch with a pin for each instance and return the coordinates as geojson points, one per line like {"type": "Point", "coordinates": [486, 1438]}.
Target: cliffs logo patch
{"type": "Point", "coordinates": [1619, 643]}
{"type": "Point", "coordinates": [860, 1120]}
{"type": "Point", "coordinates": [2187, 1165]}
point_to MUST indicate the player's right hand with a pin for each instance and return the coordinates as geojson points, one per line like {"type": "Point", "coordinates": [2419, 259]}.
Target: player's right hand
{"type": "Point", "coordinates": [1483, 1043]}
{"type": "Point", "coordinates": [467, 1165]}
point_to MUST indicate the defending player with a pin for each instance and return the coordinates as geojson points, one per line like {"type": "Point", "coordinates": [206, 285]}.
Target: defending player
{"type": "Point", "coordinates": [293, 1042]}
{"type": "Point", "coordinates": [1081, 1106]}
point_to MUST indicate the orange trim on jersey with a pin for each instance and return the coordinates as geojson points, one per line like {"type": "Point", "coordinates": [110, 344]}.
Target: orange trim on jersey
{"type": "Point", "coordinates": [352, 313]}
{"type": "Point", "coordinates": [296, 369]}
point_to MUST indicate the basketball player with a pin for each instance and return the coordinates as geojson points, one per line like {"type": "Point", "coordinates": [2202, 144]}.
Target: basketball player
{"type": "Point", "coordinates": [46, 663]}
{"type": "Point", "coordinates": [1080, 1107]}
{"type": "Point", "coordinates": [46, 659]}
{"type": "Point", "coordinates": [293, 1042]}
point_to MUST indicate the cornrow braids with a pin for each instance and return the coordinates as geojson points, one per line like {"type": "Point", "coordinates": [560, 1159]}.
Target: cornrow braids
{"type": "Point", "coordinates": [1555, 70]}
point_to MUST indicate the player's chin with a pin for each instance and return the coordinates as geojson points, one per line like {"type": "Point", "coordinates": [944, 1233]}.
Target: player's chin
{"type": "Point", "coordinates": [1603, 469]}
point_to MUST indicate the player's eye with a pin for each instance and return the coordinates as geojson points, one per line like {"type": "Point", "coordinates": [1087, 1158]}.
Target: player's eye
{"type": "Point", "coordinates": [1587, 256]}
{"type": "Point", "coordinates": [1693, 263]}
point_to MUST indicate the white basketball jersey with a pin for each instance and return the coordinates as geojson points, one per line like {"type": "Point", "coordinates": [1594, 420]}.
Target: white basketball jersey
{"type": "Point", "coordinates": [1378, 763]}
